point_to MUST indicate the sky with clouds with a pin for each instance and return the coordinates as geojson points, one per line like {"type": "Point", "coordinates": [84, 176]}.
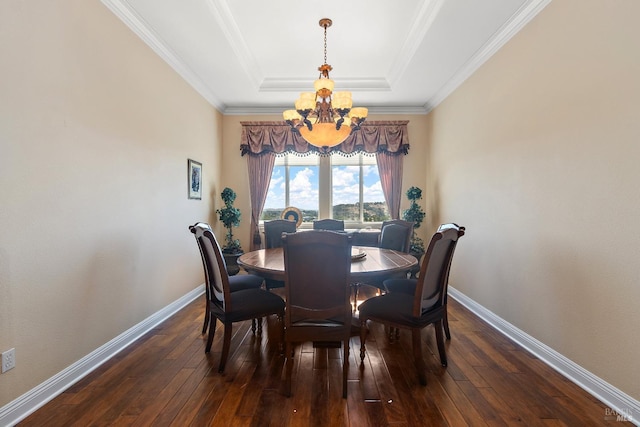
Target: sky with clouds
{"type": "Point", "coordinates": [304, 186]}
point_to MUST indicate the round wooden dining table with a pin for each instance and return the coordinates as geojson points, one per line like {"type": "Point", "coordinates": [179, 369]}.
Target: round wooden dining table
{"type": "Point", "coordinates": [367, 263]}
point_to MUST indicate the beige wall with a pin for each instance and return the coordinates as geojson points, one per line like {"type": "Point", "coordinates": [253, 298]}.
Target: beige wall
{"type": "Point", "coordinates": [537, 154]}
{"type": "Point", "coordinates": [234, 167]}
{"type": "Point", "coordinates": [95, 132]}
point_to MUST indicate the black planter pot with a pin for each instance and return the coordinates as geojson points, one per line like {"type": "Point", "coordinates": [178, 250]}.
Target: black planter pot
{"type": "Point", "coordinates": [232, 262]}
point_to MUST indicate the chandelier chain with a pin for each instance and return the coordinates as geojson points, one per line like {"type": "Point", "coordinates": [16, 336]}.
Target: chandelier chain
{"type": "Point", "coordinates": [325, 44]}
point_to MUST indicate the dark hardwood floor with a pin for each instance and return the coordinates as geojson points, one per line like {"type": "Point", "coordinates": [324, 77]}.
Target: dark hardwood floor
{"type": "Point", "coordinates": [166, 379]}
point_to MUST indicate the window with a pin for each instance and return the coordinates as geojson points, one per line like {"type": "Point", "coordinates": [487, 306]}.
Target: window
{"type": "Point", "coordinates": [294, 182]}
{"type": "Point", "coordinates": [356, 192]}
{"type": "Point", "coordinates": [339, 187]}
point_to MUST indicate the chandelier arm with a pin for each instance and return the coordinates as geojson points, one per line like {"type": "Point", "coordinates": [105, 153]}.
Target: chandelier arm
{"type": "Point", "coordinates": [308, 124]}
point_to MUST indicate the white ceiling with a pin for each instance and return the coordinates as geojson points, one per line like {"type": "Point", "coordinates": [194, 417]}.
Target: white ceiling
{"type": "Point", "coordinates": [255, 56]}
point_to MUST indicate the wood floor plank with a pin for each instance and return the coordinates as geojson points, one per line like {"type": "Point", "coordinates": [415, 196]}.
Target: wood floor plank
{"type": "Point", "coordinates": [165, 378]}
{"type": "Point", "coordinates": [510, 391]}
{"type": "Point", "coordinates": [386, 392]}
{"type": "Point", "coordinates": [228, 411]}
{"type": "Point", "coordinates": [301, 388]}
{"type": "Point", "coordinates": [458, 407]}
{"type": "Point", "coordinates": [157, 405]}
{"type": "Point", "coordinates": [490, 414]}
{"type": "Point", "coordinates": [502, 410]}
{"type": "Point", "coordinates": [337, 406]}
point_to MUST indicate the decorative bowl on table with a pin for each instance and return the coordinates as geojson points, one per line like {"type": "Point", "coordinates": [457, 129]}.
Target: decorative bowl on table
{"type": "Point", "coordinates": [357, 254]}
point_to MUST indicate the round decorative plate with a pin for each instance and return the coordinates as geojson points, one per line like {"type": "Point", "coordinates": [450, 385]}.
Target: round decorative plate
{"type": "Point", "coordinates": [357, 254]}
{"type": "Point", "coordinates": [292, 214]}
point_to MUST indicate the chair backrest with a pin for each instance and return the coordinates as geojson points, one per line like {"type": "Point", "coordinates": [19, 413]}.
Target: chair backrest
{"type": "Point", "coordinates": [216, 276]}
{"type": "Point", "coordinates": [273, 232]}
{"type": "Point", "coordinates": [317, 267]}
{"type": "Point", "coordinates": [431, 288]}
{"type": "Point", "coordinates": [193, 228]}
{"type": "Point", "coordinates": [443, 227]}
{"type": "Point", "coordinates": [328, 224]}
{"type": "Point", "coordinates": [396, 234]}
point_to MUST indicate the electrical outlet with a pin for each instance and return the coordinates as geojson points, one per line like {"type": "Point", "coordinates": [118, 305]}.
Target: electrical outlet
{"type": "Point", "coordinates": [8, 360]}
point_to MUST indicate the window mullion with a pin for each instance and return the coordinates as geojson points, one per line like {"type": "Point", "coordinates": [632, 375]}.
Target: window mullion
{"type": "Point", "coordinates": [286, 185]}
{"type": "Point", "coordinates": [361, 189]}
{"type": "Point", "coordinates": [325, 210]}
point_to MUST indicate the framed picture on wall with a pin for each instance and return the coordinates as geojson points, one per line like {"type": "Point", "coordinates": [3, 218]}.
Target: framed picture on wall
{"type": "Point", "coordinates": [194, 178]}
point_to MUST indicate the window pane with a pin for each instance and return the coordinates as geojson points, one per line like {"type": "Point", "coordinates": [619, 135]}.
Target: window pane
{"type": "Point", "coordinates": [375, 207]}
{"type": "Point", "coordinates": [345, 182]}
{"type": "Point", "coordinates": [294, 182]}
{"type": "Point", "coordinates": [303, 190]}
{"type": "Point", "coordinates": [355, 179]}
{"type": "Point", "coordinates": [276, 195]}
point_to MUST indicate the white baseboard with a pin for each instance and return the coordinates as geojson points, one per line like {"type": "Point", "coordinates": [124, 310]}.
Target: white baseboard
{"type": "Point", "coordinates": [622, 406]}
{"type": "Point", "coordinates": [23, 406]}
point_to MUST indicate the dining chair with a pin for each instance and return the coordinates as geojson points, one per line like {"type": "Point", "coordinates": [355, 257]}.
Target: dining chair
{"type": "Point", "coordinates": [236, 283]}
{"type": "Point", "coordinates": [408, 286]}
{"type": "Point", "coordinates": [273, 232]}
{"type": "Point", "coordinates": [424, 307]}
{"type": "Point", "coordinates": [273, 239]}
{"type": "Point", "coordinates": [328, 224]}
{"type": "Point", "coordinates": [317, 267]}
{"type": "Point", "coordinates": [231, 307]}
{"type": "Point", "coordinates": [396, 234]}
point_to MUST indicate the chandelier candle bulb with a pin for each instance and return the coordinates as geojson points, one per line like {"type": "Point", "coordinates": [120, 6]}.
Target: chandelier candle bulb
{"type": "Point", "coordinates": [359, 112]}
{"type": "Point", "coordinates": [326, 84]}
{"type": "Point", "coordinates": [291, 115]}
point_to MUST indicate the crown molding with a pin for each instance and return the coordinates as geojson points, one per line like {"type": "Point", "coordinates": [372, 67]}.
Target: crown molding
{"type": "Point", "coordinates": [142, 29]}
{"type": "Point", "coordinates": [372, 84]}
{"type": "Point", "coordinates": [519, 19]}
{"type": "Point", "coordinates": [223, 16]}
{"type": "Point", "coordinates": [421, 25]}
{"type": "Point", "coordinates": [263, 111]}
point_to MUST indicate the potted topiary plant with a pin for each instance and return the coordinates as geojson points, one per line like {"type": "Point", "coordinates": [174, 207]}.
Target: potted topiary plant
{"type": "Point", "coordinates": [230, 217]}
{"type": "Point", "coordinates": [416, 215]}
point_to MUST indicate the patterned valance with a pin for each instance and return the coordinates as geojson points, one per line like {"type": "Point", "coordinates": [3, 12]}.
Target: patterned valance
{"type": "Point", "coordinates": [276, 137]}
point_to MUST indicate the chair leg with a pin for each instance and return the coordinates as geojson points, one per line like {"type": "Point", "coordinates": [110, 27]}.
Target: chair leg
{"type": "Point", "coordinates": [225, 346]}
{"type": "Point", "coordinates": [253, 326]}
{"type": "Point", "coordinates": [259, 322]}
{"type": "Point", "coordinates": [445, 323]}
{"type": "Point", "coordinates": [440, 342]}
{"type": "Point", "coordinates": [345, 368]}
{"type": "Point", "coordinates": [363, 338]}
{"type": "Point", "coordinates": [281, 332]}
{"type": "Point", "coordinates": [356, 288]}
{"type": "Point", "coordinates": [212, 332]}
{"type": "Point", "coordinates": [417, 355]}
{"type": "Point", "coordinates": [206, 317]}
{"type": "Point", "coordinates": [288, 368]}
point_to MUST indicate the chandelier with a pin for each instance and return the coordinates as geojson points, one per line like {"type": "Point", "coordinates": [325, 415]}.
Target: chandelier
{"type": "Point", "coordinates": [325, 118]}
